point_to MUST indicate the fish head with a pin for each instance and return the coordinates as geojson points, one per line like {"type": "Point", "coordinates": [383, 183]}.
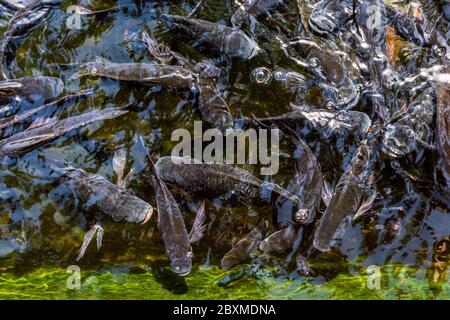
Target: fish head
{"type": "Point", "coordinates": [182, 264]}
{"type": "Point", "coordinates": [327, 16]}
{"type": "Point", "coordinates": [398, 140]}
{"type": "Point", "coordinates": [261, 76]}
{"type": "Point", "coordinates": [238, 45]}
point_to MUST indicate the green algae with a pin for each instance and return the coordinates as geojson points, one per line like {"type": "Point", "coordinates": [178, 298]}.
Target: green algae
{"type": "Point", "coordinates": [119, 283]}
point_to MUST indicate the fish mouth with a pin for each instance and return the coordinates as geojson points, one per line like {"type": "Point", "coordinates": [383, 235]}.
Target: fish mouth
{"type": "Point", "coordinates": [321, 246]}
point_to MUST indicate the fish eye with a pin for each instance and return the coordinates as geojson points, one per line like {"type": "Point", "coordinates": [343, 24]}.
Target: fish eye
{"type": "Point", "coordinates": [190, 254]}
{"type": "Point", "coordinates": [358, 88]}
{"type": "Point", "coordinates": [314, 62]}
{"type": "Point", "coordinates": [261, 76]}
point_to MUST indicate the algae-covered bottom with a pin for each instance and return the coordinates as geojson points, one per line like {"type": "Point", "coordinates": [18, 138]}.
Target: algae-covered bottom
{"type": "Point", "coordinates": [395, 282]}
{"type": "Point", "coordinates": [388, 254]}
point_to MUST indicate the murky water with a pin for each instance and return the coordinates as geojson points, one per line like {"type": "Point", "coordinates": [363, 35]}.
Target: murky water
{"type": "Point", "coordinates": [42, 228]}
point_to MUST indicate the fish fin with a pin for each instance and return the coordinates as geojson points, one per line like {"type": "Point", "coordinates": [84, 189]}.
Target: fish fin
{"type": "Point", "coordinates": [39, 122]}
{"type": "Point", "coordinates": [10, 85]}
{"type": "Point", "coordinates": [198, 227]}
{"type": "Point", "coordinates": [87, 239]}
{"type": "Point", "coordinates": [127, 180]}
{"type": "Point", "coordinates": [100, 232]}
{"type": "Point", "coordinates": [327, 193]}
{"type": "Point", "coordinates": [158, 50]}
{"type": "Point", "coordinates": [198, 7]}
{"type": "Point", "coordinates": [119, 161]}
{"type": "Point", "coordinates": [365, 207]}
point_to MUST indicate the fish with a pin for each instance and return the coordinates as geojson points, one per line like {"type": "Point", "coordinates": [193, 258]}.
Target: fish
{"type": "Point", "coordinates": [93, 190]}
{"type": "Point", "coordinates": [28, 140]}
{"type": "Point", "coordinates": [280, 241]}
{"type": "Point", "coordinates": [308, 181]}
{"type": "Point", "coordinates": [347, 198]}
{"type": "Point", "coordinates": [12, 120]}
{"type": "Point", "coordinates": [327, 122]}
{"type": "Point", "coordinates": [171, 224]}
{"type": "Point", "coordinates": [229, 41]}
{"type": "Point", "coordinates": [144, 74]}
{"type": "Point", "coordinates": [255, 8]}
{"type": "Point", "coordinates": [110, 199]}
{"type": "Point", "coordinates": [211, 104]}
{"type": "Point", "coordinates": [244, 247]}
{"type": "Point", "coordinates": [219, 179]}
{"type": "Point", "coordinates": [443, 129]}
{"type": "Point", "coordinates": [48, 88]}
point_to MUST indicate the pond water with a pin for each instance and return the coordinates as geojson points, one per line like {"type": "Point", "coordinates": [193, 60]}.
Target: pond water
{"type": "Point", "coordinates": [42, 228]}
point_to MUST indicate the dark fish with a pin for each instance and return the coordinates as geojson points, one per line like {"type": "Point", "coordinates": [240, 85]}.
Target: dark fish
{"type": "Point", "coordinates": [12, 120]}
{"type": "Point", "coordinates": [94, 190]}
{"type": "Point", "coordinates": [243, 248]}
{"type": "Point", "coordinates": [211, 104]}
{"type": "Point", "coordinates": [324, 121]}
{"type": "Point", "coordinates": [307, 182]}
{"type": "Point", "coordinates": [46, 87]}
{"type": "Point", "coordinates": [255, 8]}
{"type": "Point", "coordinates": [173, 229]}
{"type": "Point", "coordinates": [215, 37]}
{"type": "Point", "coordinates": [219, 179]}
{"type": "Point", "coordinates": [177, 241]}
{"type": "Point", "coordinates": [30, 139]}
{"type": "Point", "coordinates": [443, 129]}
{"type": "Point", "coordinates": [145, 74]}
{"type": "Point", "coordinates": [347, 198]}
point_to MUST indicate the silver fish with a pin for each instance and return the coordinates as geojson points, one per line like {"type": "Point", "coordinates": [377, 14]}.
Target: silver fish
{"type": "Point", "coordinates": [145, 74]}
{"type": "Point", "coordinates": [27, 140]}
{"type": "Point", "coordinates": [346, 199]}
{"type": "Point", "coordinates": [110, 199]}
